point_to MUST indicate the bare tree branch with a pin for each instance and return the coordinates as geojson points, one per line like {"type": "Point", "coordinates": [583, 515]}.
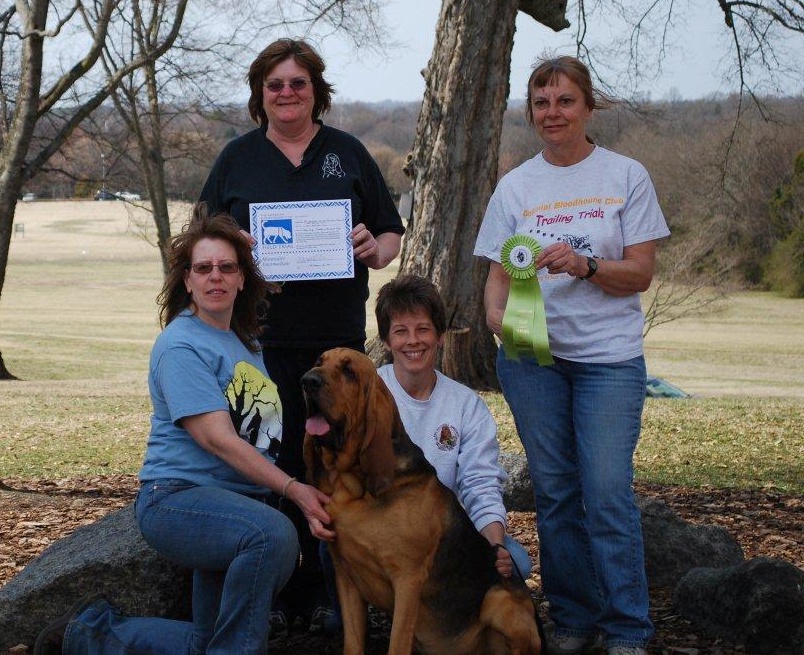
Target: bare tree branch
{"type": "Point", "coordinates": [78, 70]}
{"type": "Point", "coordinates": [115, 77]}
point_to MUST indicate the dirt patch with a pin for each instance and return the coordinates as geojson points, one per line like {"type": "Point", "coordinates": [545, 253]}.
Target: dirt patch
{"type": "Point", "coordinates": [35, 513]}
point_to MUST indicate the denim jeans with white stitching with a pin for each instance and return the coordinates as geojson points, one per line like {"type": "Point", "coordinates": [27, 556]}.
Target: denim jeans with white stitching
{"type": "Point", "coordinates": [242, 552]}
{"type": "Point", "coordinates": [579, 424]}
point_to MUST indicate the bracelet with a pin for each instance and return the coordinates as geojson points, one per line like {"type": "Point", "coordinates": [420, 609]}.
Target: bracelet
{"type": "Point", "coordinates": [287, 485]}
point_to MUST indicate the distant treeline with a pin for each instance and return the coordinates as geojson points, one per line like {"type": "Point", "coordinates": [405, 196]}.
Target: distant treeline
{"type": "Point", "coordinates": [729, 186]}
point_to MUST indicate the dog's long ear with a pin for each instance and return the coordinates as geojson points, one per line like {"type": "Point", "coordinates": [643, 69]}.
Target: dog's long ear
{"type": "Point", "coordinates": [377, 452]}
{"type": "Point", "coordinates": [310, 464]}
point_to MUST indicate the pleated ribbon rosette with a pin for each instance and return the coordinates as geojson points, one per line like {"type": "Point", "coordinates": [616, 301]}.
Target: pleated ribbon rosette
{"type": "Point", "coordinates": [524, 327]}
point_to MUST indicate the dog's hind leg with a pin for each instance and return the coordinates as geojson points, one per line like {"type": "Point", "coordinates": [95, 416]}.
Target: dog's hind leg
{"type": "Point", "coordinates": [513, 616]}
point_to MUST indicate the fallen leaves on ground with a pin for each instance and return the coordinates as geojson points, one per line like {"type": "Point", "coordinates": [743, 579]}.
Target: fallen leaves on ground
{"type": "Point", "coordinates": [36, 513]}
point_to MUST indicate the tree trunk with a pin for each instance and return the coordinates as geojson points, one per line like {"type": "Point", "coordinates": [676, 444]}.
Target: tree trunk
{"type": "Point", "coordinates": [152, 155]}
{"type": "Point", "coordinates": [19, 134]}
{"type": "Point", "coordinates": [454, 168]}
{"type": "Point", "coordinates": [5, 374]}
{"type": "Point", "coordinates": [30, 104]}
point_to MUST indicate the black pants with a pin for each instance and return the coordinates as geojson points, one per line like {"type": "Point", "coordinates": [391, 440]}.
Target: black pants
{"type": "Point", "coordinates": [306, 589]}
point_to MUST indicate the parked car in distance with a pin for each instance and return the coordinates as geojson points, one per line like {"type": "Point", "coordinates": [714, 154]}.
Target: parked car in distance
{"type": "Point", "coordinates": [103, 194]}
{"type": "Point", "coordinates": [129, 196]}
{"type": "Point", "coordinates": [29, 197]}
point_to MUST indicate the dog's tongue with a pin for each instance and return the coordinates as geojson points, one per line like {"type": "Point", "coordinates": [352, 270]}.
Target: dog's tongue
{"type": "Point", "coordinates": [317, 425]}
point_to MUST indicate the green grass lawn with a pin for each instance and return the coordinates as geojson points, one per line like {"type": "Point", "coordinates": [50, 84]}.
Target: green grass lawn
{"type": "Point", "coordinates": [741, 442]}
{"type": "Point", "coordinates": [78, 316]}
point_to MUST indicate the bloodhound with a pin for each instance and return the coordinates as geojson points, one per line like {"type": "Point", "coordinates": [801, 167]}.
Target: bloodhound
{"type": "Point", "coordinates": [404, 543]}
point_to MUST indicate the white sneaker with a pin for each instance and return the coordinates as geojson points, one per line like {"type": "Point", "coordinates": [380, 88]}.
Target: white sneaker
{"type": "Point", "coordinates": [567, 645]}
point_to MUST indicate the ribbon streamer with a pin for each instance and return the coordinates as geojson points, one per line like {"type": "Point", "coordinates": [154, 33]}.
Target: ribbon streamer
{"type": "Point", "coordinates": [524, 327]}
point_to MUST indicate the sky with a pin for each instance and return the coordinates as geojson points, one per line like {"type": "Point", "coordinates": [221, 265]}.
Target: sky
{"type": "Point", "coordinates": [695, 67]}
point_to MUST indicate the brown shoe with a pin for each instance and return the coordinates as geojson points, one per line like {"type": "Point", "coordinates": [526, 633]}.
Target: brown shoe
{"type": "Point", "coordinates": [49, 641]}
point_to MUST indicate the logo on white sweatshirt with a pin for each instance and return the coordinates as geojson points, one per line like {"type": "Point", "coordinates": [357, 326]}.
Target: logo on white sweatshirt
{"type": "Point", "coordinates": [446, 437]}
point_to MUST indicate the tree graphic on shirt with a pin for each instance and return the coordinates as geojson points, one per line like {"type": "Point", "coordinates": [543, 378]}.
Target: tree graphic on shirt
{"type": "Point", "coordinates": [254, 406]}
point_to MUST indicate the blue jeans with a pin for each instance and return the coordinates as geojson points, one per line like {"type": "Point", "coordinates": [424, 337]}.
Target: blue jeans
{"type": "Point", "coordinates": [579, 424]}
{"type": "Point", "coordinates": [242, 552]}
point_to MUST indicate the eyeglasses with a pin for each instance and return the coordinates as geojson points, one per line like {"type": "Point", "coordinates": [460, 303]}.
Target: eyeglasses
{"type": "Point", "coordinates": [205, 268]}
{"type": "Point", "coordinates": [296, 84]}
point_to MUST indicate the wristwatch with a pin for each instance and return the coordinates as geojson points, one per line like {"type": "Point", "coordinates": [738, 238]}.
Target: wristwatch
{"type": "Point", "coordinates": [592, 263]}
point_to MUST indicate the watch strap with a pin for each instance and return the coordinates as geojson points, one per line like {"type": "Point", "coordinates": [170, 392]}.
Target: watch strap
{"type": "Point", "coordinates": [592, 263]}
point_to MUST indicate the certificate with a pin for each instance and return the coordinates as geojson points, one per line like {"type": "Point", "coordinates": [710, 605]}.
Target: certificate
{"type": "Point", "coordinates": [307, 240]}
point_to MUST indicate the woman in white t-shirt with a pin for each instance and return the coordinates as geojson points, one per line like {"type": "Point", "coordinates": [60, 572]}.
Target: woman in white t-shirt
{"type": "Point", "coordinates": [596, 219]}
{"type": "Point", "coordinates": [446, 419]}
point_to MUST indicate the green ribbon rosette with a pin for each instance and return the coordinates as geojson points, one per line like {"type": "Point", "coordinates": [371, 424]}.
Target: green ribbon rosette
{"type": "Point", "coordinates": [524, 327]}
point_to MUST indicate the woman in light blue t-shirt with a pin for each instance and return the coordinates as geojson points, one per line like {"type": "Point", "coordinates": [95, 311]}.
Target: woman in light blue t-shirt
{"type": "Point", "coordinates": [209, 466]}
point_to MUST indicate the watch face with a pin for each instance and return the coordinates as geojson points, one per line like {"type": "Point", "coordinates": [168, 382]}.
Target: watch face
{"type": "Point", "coordinates": [592, 267]}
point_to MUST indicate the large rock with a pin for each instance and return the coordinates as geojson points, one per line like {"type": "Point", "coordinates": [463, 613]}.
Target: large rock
{"type": "Point", "coordinates": [110, 557]}
{"type": "Point", "coordinates": [759, 603]}
{"type": "Point", "coordinates": [673, 546]}
{"type": "Point", "coordinates": [517, 489]}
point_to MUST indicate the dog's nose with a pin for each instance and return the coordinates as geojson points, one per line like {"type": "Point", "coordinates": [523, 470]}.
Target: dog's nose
{"type": "Point", "coordinates": [311, 381]}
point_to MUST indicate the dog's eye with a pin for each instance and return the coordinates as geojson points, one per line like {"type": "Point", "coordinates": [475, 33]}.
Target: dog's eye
{"type": "Point", "coordinates": [348, 372]}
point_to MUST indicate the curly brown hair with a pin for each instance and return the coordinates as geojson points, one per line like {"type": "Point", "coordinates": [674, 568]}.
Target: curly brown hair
{"type": "Point", "coordinates": [306, 57]}
{"type": "Point", "coordinates": [248, 304]}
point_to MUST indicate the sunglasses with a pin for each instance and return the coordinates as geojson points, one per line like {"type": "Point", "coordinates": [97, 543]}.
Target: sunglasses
{"type": "Point", "coordinates": [296, 84]}
{"type": "Point", "coordinates": [205, 268]}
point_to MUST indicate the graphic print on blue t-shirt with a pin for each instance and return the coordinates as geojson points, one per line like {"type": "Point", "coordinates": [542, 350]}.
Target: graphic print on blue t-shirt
{"type": "Point", "coordinates": [255, 407]}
